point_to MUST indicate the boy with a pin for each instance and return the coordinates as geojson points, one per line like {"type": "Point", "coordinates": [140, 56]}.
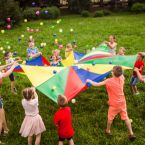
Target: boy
{"type": "Point", "coordinates": [134, 79]}
{"type": "Point", "coordinates": [117, 101]}
{"type": "Point", "coordinates": [63, 121]}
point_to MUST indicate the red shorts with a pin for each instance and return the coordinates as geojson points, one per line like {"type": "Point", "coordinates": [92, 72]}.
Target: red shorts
{"type": "Point", "coordinates": [113, 111]}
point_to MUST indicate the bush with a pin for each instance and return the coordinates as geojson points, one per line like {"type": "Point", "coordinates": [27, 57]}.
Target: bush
{"type": "Point", "coordinates": [9, 8]}
{"type": "Point", "coordinates": [107, 12]}
{"type": "Point", "coordinates": [50, 13]}
{"type": "Point", "coordinates": [99, 14]}
{"type": "Point", "coordinates": [30, 14]}
{"type": "Point", "coordinates": [138, 7]}
{"type": "Point", "coordinates": [85, 13]}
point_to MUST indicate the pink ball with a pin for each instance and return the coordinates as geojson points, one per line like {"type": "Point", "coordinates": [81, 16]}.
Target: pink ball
{"type": "Point", "coordinates": [9, 20]}
{"type": "Point", "coordinates": [37, 13]}
{"type": "Point", "coordinates": [31, 30]}
{"type": "Point", "coordinates": [8, 27]}
{"type": "Point", "coordinates": [60, 46]}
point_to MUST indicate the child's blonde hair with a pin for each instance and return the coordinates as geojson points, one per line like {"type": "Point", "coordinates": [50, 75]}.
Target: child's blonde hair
{"type": "Point", "coordinates": [69, 45]}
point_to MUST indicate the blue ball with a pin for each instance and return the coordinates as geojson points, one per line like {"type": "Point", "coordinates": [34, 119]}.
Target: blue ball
{"type": "Point", "coordinates": [19, 39]}
{"type": "Point", "coordinates": [54, 71]}
{"type": "Point", "coordinates": [93, 63]}
{"type": "Point", "coordinates": [46, 12]}
{"type": "Point", "coordinates": [110, 62]}
{"type": "Point", "coordinates": [54, 35]}
{"type": "Point", "coordinates": [33, 3]}
{"type": "Point", "coordinates": [15, 53]}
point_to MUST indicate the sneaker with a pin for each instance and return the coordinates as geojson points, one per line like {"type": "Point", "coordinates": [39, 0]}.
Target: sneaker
{"type": "Point", "coordinates": [132, 137]}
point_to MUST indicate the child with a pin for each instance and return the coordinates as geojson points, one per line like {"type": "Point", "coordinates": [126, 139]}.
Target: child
{"type": "Point", "coordinates": [55, 55]}
{"type": "Point", "coordinates": [32, 124]}
{"type": "Point", "coordinates": [117, 101]}
{"type": "Point", "coordinates": [134, 79]}
{"type": "Point", "coordinates": [68, 50]}
{"type": "Point", "coordinates": [112, 44]}
{"type": "Point", "coordinates": [3, 124]}
{"type": "Point", "coordinates": [9, 59]}
{"type": "Point", "coordinates": [121, 51]}
{"type": "Point", "coordinates": [63, 121]}
{"type": "Point", "coordinates": [54, 61]}
{"type": "Point", "coordinates": [32, 51]}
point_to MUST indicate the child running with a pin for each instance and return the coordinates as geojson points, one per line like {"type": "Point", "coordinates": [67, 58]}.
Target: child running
{"type": "Point", "coordinates": [32, 124]}
{"type": "Point", "coordinates": [134, 79]}
{"type": "Point", "coordinates": [112, 44]}
{"type": "Point", "coordinates": [63, 121]}
{"type": "Point", "coordinates": [117, 101]}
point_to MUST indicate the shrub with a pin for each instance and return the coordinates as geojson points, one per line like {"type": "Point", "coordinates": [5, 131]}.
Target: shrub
{"type": "Point", "coordinates": [138, 7]}
{"type": "Point", "coordinates": [85, 13]}
{"type": "Point", "coordinates": [99, 13]}
{"type": "Point", "coordinates": [9, 8]}
{"type": "Point", "coordinates": [30, 13]}
{"type": "Point", "coordinates": [107, 12]}
{"type": "Point", "coordinates": [50, 13]}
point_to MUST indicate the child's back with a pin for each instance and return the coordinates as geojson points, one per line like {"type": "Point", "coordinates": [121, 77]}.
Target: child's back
{"type": "Point", "coordinates": [63, 120]}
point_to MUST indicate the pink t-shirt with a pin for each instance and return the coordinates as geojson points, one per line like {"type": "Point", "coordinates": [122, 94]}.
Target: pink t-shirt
{"type": "Point", "coordinates": [115, 92]}
{"type": "Point", "coordinates": [30, 107]}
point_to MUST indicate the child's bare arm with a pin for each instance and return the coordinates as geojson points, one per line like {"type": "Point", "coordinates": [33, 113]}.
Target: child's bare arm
{"type": "Point", "coordinates": [138, 74]}
{"type": "Point", "coordinates": [95, 83]}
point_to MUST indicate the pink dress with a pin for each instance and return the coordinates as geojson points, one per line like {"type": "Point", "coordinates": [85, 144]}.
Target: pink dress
{"type": "Point", "coordinates": [32, 124]}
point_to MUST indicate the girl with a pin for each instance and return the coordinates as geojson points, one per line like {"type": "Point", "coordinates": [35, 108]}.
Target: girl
{"type": "Point", "coordinates": [112, 44]}
{"type": "Point", "coordinates": [68, 50]}
{"type": "Point", "coordinates": [32, 51]}
{"type": "Point", "coordinates": [54, 61]}
{"type": "Point", "coordinates": [3, 124]}
{"type": "Point", "coordinates": [32, 124]}
{"type": "Point", "coordinates": [121, 51]}
{"type": "Point", "coordinates": [63, 121]}
{"type": "Point", "coordinates": [55, 55]}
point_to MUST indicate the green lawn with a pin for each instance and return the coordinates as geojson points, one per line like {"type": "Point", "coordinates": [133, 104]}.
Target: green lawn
{"type": "Point", "coordinates": [90, 110]}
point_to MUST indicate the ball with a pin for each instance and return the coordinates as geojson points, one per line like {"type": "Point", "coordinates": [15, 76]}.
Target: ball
{"type": "Point", "coordinates": [1, 48]}
{"type": "Point", "coordinates": [73, 101]}
{"type": "Point", "coordinates": [71, 30]}
{"type": "Point", "coordinates": [2, 31]}
{"type": "Point", "coordinates": [53, 88]}
{"type": "Point", "coordinates": [24, 62]}
{"type": "Point", "coordinates": [37, 13]}
{"type": "Point", "coordinates": [93, 48]}
{"type": "Point", "coordinates": [46, 12]}
{"type": "Point", "coordinates": [60, 30]}
{"type": "Point", "coordinates": [8, 26]}
{"type": "Point", "coordinates": [9, 47]}
{"type": "Point", "coordinates": [25, 20]}
{"type": "Point", "coordinates": [8, 19]}
{"type": "Point", "coordinates": [4, 51]}
{"type": "Point", "coordinates": [41, 24]}
{"type": "Point", "coordinates": [22, 36]}
{"type": "Point", "coordinates": [131, 120]}
{"type": "Point", "coordinates": [54, 71]}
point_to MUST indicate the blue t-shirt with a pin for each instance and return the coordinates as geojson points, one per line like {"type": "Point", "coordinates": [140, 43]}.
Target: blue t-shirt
{"type": "Point", "coordinates": [31, 51]}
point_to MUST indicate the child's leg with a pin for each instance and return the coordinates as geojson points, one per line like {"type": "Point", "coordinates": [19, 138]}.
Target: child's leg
{"type": "Point", "coordinates": [30, 138]}
{"type": "Point", "coordinates": [4, 122]}
{"type": "Point", "coordinates": [109, 123]}
{"type": "Point", "coordinates": [129, 127]}
{"type": "Point", "coordinates": [60, 143]}
{"type": "Point", "coordinates": [38, 139]}
{"type": "Point", "coordinates": [1, 121]}
{"type": "Point", "coordinates": [71, 142]}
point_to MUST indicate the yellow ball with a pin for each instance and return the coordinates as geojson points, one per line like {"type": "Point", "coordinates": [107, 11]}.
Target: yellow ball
{"type": "Point", "coordinates": [2, 31]}
{"type": "Point", "coordinates": [41, 23]}
{"type": "Point", "coordinates": [1, 48]}
{"type": "Point", "coordinates": [9, 47]}
{"type": "Point", "coordinates": [22, 36]}
{"type": "Point", "coordinates": [25, 20]}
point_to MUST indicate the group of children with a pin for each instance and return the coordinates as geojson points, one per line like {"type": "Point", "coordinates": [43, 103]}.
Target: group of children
{"type": "Point", "coordinates": [33, 123]}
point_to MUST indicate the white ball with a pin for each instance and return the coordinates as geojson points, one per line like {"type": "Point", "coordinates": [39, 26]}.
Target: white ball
{"type": "Point", "coordinates": [9, 47]}
{"type": "Point", "coordinates": [41, 23]}
{"type": "Point", "coordinates": [1, 48]}
{"type": "Point", "coordinates": [4, 51]}
{"type": "Point", "coordinates": [71, 30]}
{"type": "Point", "coordinates": [60, 30]}
{"type": "Point", "coordinates": [73, 101]}
{"type": "Point", "coordinates": [22, 36]}
{"type": "Point", "coordinates": [93, 48]}
{"type": "Point", "coordinates": [131, 120]}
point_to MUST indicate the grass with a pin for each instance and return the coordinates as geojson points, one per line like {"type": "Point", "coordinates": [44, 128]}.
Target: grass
{"type": "Point", "coordinates": [90, 110]}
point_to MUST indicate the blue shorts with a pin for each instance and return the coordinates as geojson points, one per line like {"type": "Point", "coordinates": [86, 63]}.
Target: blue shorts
{"type": "Point", "coordinates": [134, 80]}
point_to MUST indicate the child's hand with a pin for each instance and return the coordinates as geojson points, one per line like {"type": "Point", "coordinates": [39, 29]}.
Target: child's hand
{"type": "Point", "coordinates": [88, 81]}
{"type": "Point", "coordinates": [135, 69]}
{"type": "Point", "coordinates": [33, 88]}
{"type": "Point", "coordinates": [15, 64]}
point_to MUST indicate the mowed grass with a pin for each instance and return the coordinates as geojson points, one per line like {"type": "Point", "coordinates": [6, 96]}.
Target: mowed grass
{"type": "Point", "coordinates": [90, 110]}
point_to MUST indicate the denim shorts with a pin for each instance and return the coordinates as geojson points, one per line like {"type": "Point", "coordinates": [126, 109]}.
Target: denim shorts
{"type": "Point", "coordinates": [134, 80]}
{"type": "Point", "coordinates": [1, 103]}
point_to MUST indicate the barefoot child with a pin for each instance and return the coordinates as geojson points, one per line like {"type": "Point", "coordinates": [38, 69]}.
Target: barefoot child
{"type": "Point", "coordinates": [3, 124]}
{"type": "Point", "coordinates": [63, 121]}
{"type": "Point", "coordinates": [117, 101]}
{"type": "Point", "coordinates": [32, 124]}
{"type": "Point", "coordinates": [134, 79]}
{"type": "Point", "coordinates": [112, 44]}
